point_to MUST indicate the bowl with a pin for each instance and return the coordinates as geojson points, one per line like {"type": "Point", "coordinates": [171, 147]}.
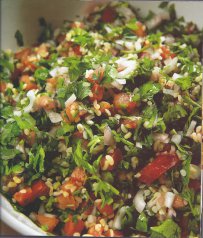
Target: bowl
{"type": "Point", "coordinates": [23, 15]}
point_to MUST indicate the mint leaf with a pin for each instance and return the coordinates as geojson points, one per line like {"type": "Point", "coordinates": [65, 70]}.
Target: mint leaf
{"type": "Point", "coordinates": [174, 113]}
{"type": "Point", "coordinates": [142, 223]}
{"type": "Point", "coordinates": [168, 229]}
{"type": "Point", "coordinates": [184, 82]}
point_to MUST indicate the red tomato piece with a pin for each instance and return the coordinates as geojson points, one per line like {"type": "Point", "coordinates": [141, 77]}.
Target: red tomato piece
{"type": "Point", "coordinates": [76, 50]}
{"type": "Point", "coordinates": [95, 232]}
{"type": "Point", "coordinates": [96, 76]}
{"type": "Point", "coordinates": [23, 54]}
{"type": "Point", "coordinates": [2, 86]}
{"type": "Point", "coordinates": [106, 210]}
{"type": "Point", "coordinates": [72, 112]}
{"type": "Point", "coordinates": [50, 221]}
{"type": "Point", "coordinates": [123, 102]}
{"type": "Point", "coordinates": [64, 202]}
{"type": "Point", "coordinates": [104, 105]}
{"type": "Point", "coordinates": [39, 189]}
{"type": "Point", "coordinates": [108, 15]}
{"type": "Point", "coordinates": [72, 227]}
{"type": "Point", "coordinates": [24, 196]}
{"type": "Point", "coordinates": [140, 31]}
{"type": "Point", "coordinates": [117, 157]}
{"type": "Point", "coordinates": [157, 167]}
{"type": "Point", "coordinates": [79, 175]}
{"type": "Point", "coordinates": [166, 53]}
{"type": "Point", "coordinates": [28, 82]}
{"type": "Point", "coordinates": [98, 92]}
{"type": "Point", "coordinates": [130, 124]}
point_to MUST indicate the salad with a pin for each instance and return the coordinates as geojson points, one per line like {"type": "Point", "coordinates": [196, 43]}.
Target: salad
{"type": "Point", "coordinates": [101, 125]}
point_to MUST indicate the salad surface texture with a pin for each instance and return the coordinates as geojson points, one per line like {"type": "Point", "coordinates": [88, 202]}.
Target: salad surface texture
{"type": "Point", "coordinates": [101, 125]}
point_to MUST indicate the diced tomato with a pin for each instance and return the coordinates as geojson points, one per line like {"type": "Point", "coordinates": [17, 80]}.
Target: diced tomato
{"type": "Point", "coordinates": [108, 15]}
{"type": "Point", "coordinates": [2, 86]}
{"type": "Point", "coordinates": [72, 111]}
{"type": "Point", "coordinates": [161, 164]}
{"type": "Point", "coordinates": [195, 184]}
{"type": "Point", "coordinates": [98, 92]}
{"type": "Point", "coordinates": [79, 175]}
{"type": "Point", "coordinates": [96, 76]}
{"type": "Point", "coordinates": [29, 82]}
{"type": "Point", "coordinates": [179, 202]}
{"type": "Point", "coordinates": [104, 105]}
{"type": "Point", "coordinates": [48, 220]}
{"type": "Point", "coordinates": [72, 227]}
{"type": "Point", "coordinates": [23, 54]}
{"type": "Point", "coordinates": [96, 232]}
{"type": "Point", "coordinates": [45, 102]}
{"type": "Point", "coordinates": [117, 156]}
{"type": "Point", "coordinates": [52, 81]}
{"type": "Point", "coordinates": [123, 102]}
{"type": "Point", "coordinates": [61, 37]}
{"type": "Point", "coordinates": [30, 139]}
{"type": "Point", "coordinates": [166, 53]}
{"type": "Point", "coordinates": [39, 189]}
{"type": "Point", "coordinates": [130, 124]}
{"type": "Point", "coordinates": [76, 50]}
{"type": "Point", "coordinates": [64, 202]}
{"type": "Point", "coordinates": [113, 233]}
{"type": "Point", "coordinates": [140, 31]}
{"type": "Point", "coordinates": [106, 210]}
{"type": "Point", "coordinates": [24, 196]}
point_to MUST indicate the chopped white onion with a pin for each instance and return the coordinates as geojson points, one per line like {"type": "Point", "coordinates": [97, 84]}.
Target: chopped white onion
{"type": "Point", "coordinates": [191, 128]}
{"type": "Point", "coordinates": [88, 73]}
{"type": "Point", "coordinates": [108, 136]}
{"type": "Point", "coordinates": [138, 145]}
{"type": "Point", "coordinates": [70, 100]}
{"type": "Point", "coordinates": [128, 65]}
{"type": "Point", "coordinates": [170, 92]}
{"type": "Point", "coordinates": [58, 71]}
{"type": "Point", "coordinates": [169, 198]}
{"type": "Point", "coordinates": [54, 117]}
{"type": "Point", "coordinates": [176, 139]}
{"type": "Point", "coordinates": [17, 113]}
{"type": "Point", "coordinates": [121, 81]}
{"type": "Point", "coordinates": [176, 76]}
{"type": "Point", "coordinates": [118, 218]}
{"type": "Point", "coordinates": [139, 202]}
{"type": "Point", "coordinates": [32, 97]}
{"type": "Point", "coordinates": [170, 64]}
{"type": "Point", "coordinates": [163, 137]}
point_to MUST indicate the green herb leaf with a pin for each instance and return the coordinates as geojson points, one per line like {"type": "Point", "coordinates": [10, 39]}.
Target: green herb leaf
{"type": "Point", "coordinates": [142, 223]}
{"type": "Point", "coordinates": [174, 113]}
{"type": "Point", "coordinates": [168, 229]}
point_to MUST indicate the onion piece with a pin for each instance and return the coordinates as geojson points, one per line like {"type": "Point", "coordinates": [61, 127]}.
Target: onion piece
{"type": "Point", "coordinates": [54, 116]}
{"type": "Point", "coordinates": [170, 92]}
{"type": "Point", "coordinates": [70, 100]}
{"type": "Point", "coordinates": [108, 136]}
{"type": "Point", "coordinates": [139, 202]}
{"type": "Point", "coordinates": [118, 218]}
{"type": "Point", "coordinates": [169, 198]}
{"type": "Point", "coordinates": [191, 128]}
{"type": "Point", "coordinates": [170, 64]}
{"type": "Point", "coordinates": [128, 65]}
{"type": "Point", "coordinates": [32, 97]}
{"type": "Point", "coordinates": [176, 139]}
{"type": "Point", "coordinates": [58, 71]}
